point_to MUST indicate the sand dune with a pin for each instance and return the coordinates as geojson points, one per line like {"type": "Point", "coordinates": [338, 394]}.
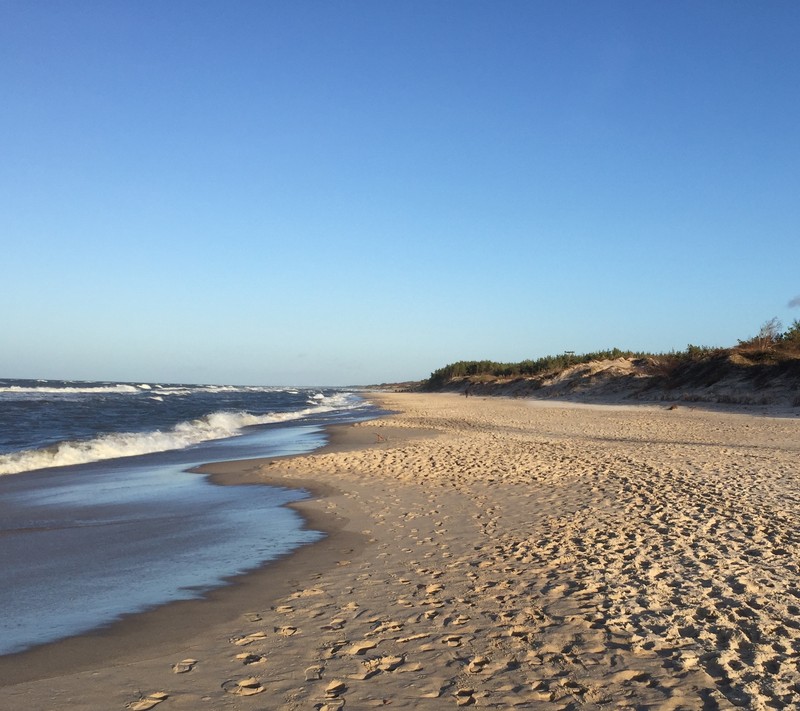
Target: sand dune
{"type": "Point", "coordinates": [724, 379]}
{"type": "Point", "coordinates": [508, 553]}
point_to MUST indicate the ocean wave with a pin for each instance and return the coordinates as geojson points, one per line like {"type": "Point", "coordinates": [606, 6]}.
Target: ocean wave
{"type": "Point", "coordinates": [47, 389]}
{"type": "Point", "coordinates": [217, 425]}
{"type": "Point", "coordinates": [70, 389]}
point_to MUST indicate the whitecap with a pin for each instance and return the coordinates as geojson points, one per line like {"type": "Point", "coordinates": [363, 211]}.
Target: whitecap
{"type": "Point", "coordinates": [217, 425]}
{"type": "Point", "coordinates": [70, 390]}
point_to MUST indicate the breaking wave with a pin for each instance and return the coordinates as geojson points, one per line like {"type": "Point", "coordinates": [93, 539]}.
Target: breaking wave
{"type": "Point", "coordinates": [49, 390]}
{"type": "Point", "coordinates": [216, 425]}
{"type": "Point", "coordinates": [71, 390]}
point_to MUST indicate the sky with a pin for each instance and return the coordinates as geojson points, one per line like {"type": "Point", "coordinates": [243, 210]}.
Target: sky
{"type": "Point", "coordinates": [356, 192]}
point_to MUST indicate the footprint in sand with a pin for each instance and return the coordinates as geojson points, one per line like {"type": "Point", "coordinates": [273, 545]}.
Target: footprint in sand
{"type": "Point", "coordinates": [286, 631]}
{"type": "Point", "coordinates": [249, 686]}
{"type": "Point", "coordinates": [184, 666]}
{"type": "Point", "coordinates": [464, 696]}
{"type": "Point", "coordinates": [313, 673]}
{"type": "Point", "coordinates": [248, 658]}
{"type": "Point", "coordinates": [413, 667]}
{"type": "Point", "coordinates": [336, 688]}
{"type": "Point", "coordinates": [391, 626]}
{"type": "Point", "coordinates": [335, 624]}
{"type": "Point", "coordinates": [390, 662]}
{"type": "Point", "coordinates": [149, 701]}
{"type": "Point", "coordinates": [330, 705]}
{"type": "Point", "coordinates": [248, 639]}
{"type": "Point", "coordinates": [477, 665]}
{"type": "Point", "coordinates": [362, 647]}
{"type": "Point", "coordinates": [436, 689]}
{"type": "Point", "coordinates": [332, 648]}
{"type": "Point", "coordinates": [332, 700]}
{"type": "Point", "coordinates": [452, 640]}
{"type": "Point", "coordinates": [369, 668]}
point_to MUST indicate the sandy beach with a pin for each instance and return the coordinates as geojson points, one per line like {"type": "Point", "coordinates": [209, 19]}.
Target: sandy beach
{"type": "Point", "coordinates": [492, 552]}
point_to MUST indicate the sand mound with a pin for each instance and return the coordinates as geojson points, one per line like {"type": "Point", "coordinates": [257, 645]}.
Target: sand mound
{"type": "Point", "coordinates": [725, 379]}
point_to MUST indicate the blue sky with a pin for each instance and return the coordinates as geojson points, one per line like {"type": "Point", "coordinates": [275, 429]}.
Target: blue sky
{"type": "Point", "coordinates": [359, 192]}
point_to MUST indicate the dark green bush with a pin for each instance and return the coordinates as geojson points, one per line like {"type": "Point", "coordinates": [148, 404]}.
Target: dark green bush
{"type": "Point", "coordinates": [774, 345]}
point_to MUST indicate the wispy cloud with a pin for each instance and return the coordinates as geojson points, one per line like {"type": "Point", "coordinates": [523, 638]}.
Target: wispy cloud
{"type": "Point", "coordinates": [795, 302]}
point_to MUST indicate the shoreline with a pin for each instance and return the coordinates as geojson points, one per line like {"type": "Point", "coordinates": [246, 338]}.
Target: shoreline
{"type": "Point", "coordinates": [496, 552]}
{"type": "Point", "coordinates": [166, 627]}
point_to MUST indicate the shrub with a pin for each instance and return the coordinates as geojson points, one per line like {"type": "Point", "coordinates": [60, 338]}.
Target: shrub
{"type": "Point", "coordinates": [697, 362]}
{"type": "Point", "coordinates": [792, 335]}
{"type": "Point", "coordinates": [768, 335]}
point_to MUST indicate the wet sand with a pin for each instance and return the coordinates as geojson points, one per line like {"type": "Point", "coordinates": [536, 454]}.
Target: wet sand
{"type": "Point", "coordinates": [488, 552]}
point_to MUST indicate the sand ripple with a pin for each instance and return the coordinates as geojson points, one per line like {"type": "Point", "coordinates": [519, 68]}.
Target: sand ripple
{"type": "Point", "coordinates": [533, 556]}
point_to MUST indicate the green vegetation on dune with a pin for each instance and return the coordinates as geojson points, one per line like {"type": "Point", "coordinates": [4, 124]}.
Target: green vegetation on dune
{"type": "Point", "coordinates": [470, 368]}
{"type": "Point", "coordinates": [770, 347]}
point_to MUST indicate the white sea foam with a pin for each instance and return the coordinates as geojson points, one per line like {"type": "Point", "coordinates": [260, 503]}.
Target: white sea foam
{"type": "Point", "coordinates": [217, 425]}
{"type": "Point", "coordinates": [45, 390]}
{"type": "Point", "coordinates": [70, 389]}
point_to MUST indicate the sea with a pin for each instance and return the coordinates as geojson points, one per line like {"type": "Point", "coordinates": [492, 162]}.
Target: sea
{"type": "Point", "coordinates": [101, 515]}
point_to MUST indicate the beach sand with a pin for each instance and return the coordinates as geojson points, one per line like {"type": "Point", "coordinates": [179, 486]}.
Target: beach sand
{"type": "Point", "coordinates": [491, 552]}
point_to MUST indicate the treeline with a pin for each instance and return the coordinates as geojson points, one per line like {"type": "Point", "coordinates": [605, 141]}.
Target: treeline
{"type": "Point", "coordinates": [770, 343]}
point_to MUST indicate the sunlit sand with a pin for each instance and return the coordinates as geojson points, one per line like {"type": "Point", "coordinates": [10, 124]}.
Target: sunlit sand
{"type": "Point", "coordinates": [493, 553]}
